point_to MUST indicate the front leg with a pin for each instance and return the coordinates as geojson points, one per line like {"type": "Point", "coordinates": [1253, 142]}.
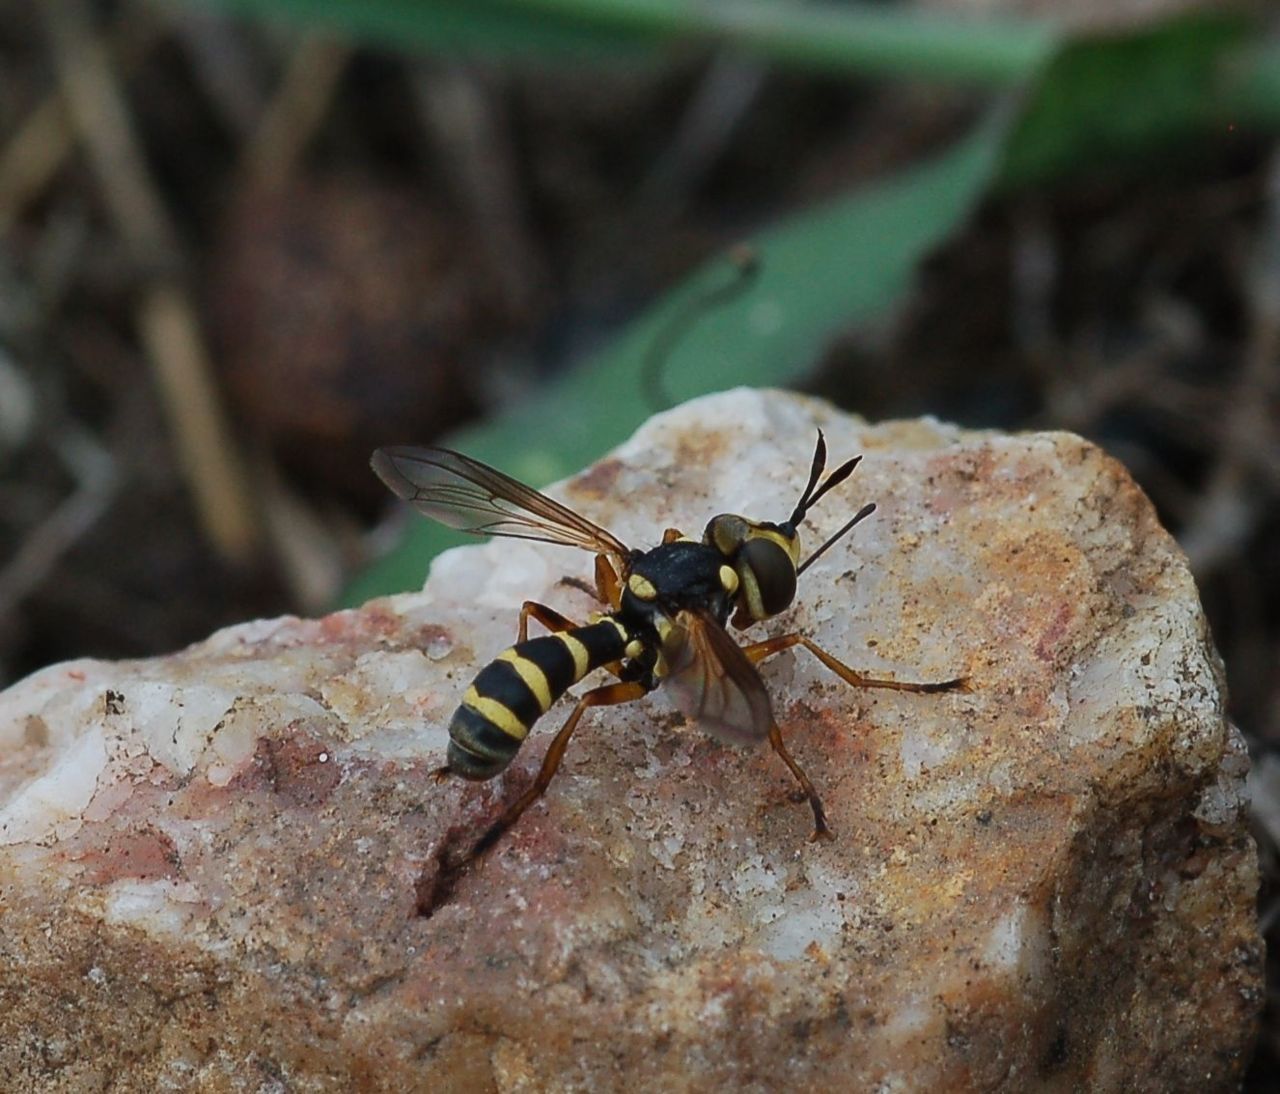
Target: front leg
{"type": "Point", "coordinates": [758, 651]}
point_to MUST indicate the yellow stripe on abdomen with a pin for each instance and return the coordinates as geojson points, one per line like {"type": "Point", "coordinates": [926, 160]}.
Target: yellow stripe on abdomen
{"type": "Point", "coordinates": [498, 714]}
{"type": "Point", "coordinates": [532, 675]}
{"type": "Point", "coordinates": [581, 659]}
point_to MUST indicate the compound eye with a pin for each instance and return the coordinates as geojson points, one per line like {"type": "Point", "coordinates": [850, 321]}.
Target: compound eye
{"type": "Point", "coordinates": [771, 584]}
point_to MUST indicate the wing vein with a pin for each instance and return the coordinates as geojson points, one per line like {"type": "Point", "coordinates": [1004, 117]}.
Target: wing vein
{"type": "Point", "coordinates": [465, 494]}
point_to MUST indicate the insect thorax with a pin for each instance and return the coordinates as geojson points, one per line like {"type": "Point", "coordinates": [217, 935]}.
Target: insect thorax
{"type": "Point", "coordinates": [672, 577]}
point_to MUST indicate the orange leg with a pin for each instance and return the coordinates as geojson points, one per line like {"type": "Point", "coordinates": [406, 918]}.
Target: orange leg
{"type": "Point", "coordinates": [608, 585]}
{"type": "Point", "coordinates": [758, 651]}
{"type": "Point", "coordinates": [608, 695]}
{"type": "Point", "coordinates": [820, 829]}
{"type": "Point", "coordinates": [548, 617]}
{"type": "Point", "coordinates": [554, 621]}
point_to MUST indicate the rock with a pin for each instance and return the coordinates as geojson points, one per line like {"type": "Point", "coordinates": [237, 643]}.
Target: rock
{"type": "Point", "coordinates": [213, 865]}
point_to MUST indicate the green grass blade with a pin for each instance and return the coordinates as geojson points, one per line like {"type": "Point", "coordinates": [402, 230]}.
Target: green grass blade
{"type": "Point", "coordinates": [820, 271]}
{"type": "Point", "coordinates": [823, 36]}
{"type": "Point", "coordinates": [1108, 100]}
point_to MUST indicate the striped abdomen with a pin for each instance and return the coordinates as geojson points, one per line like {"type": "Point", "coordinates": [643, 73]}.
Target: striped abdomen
{"type": "Point", "coordinates": [518, 687]}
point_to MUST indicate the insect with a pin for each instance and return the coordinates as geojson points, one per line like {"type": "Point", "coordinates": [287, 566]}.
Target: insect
{"type": "Point", "coordinates": [668, 610]}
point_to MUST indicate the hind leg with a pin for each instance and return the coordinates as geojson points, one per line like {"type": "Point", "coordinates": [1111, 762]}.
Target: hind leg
{"type": "Point", "coordinates": [607, 695]}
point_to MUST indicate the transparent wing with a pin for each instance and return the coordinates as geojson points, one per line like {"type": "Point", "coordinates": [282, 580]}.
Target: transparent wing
{"type": "Point", "coordinates": [713, 683]}
{"type": "Point", "coordinates": [471, 496]}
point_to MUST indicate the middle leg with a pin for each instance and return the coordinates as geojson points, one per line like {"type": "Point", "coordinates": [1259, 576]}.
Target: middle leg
{"type": "Point", "coordinates": [758, 651]}
{"type": "Point", "coordinates": [555, 623]}
{"type": "Point", "coordinates": [820, 828]}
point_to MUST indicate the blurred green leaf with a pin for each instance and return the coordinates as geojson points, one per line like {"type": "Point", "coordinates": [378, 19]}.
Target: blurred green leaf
{"type": "Point", "coordinates": [853, 38]}
{"type": "Point", "coordinates": [820, 271]}
{"type": "Point", "coordinates": [1251, 85]}
{"type": "Point", "coordinates": [1091, 100]}
{"type": "Point", "coordinates": [438, 27]}
{"type": "Point", "coordinates": [835, 37]}
{"type": "Point", "coordinates": [1108, 99]}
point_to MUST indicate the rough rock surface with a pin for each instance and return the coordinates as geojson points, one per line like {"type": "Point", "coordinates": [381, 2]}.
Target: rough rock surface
{"type": "Point", "coordinates": [212, 864]}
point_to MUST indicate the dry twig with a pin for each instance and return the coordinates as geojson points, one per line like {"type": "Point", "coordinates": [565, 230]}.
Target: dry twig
{"type": "Point", "coordinates": [465, 121]}
{"type": "Point", "coordinates": [295, 112]}
{"type": "Point", "coordinates": [41, 145]}
{"type": "Point", "coordinates": [166, 316]}
{"type": "Point", "coordinates": [94, 471]}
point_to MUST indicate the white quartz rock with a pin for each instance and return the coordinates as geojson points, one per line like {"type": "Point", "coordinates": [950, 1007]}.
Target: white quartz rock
{"type": "Point", "coordinates": [214, 866]}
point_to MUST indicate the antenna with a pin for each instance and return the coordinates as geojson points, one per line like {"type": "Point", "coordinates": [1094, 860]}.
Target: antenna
{"type": "Point", "coordinates": [811, 496]}
{"type": "Point", "coordinates": [861, 514]}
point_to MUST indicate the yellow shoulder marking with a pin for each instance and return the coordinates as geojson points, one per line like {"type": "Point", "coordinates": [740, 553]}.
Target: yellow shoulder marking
{"type": "Point", "coordinates": [642, 587]}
